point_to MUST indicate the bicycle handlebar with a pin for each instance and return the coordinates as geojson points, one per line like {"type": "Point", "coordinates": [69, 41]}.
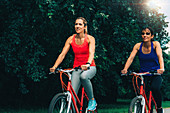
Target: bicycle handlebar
{"type": "Point", "coordinates": [141, 74]}
{"type": "Point", "coordinates": [57, 70]}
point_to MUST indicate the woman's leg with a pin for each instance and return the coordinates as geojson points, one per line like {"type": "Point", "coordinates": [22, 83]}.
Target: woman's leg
{"type": "Point", "coordinates": [155, 87]}
{"type": "Point", "coordinates": [85, 80]}
{"type": "Point", "coordinates": [75, 80]}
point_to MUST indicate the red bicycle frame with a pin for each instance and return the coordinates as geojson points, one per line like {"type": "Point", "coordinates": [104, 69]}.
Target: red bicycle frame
{"type": "Point", "coordinates": [72, 92]}
{"type": "Point", "coordinates": [69, 88]}
{"type": "Point", "coordinates": [142, 92]}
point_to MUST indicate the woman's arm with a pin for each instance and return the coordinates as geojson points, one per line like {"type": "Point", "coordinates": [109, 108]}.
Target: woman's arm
{"type": "Point", "coordinates": [91, 52]}
{"type": "Point", "coordinates": [91, 49]}
{"type": "Point", "coordinates": [160, 57]}
{"type": "Point", "coordinates": [131, 57]}
{"type": "Point", "coordinates": [62, 54]}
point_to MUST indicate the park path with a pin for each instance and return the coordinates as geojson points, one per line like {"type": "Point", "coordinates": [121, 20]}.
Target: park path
{"type": "Point", "coordinates": [166, 110]}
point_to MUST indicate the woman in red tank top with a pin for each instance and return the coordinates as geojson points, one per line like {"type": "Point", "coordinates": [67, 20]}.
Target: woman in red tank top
{"type": "Point", "coordinates": [83, 46]}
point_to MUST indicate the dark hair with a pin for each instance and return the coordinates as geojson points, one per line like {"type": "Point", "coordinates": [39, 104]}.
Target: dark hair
{"type": "Point", "coordinates": [151, 30]}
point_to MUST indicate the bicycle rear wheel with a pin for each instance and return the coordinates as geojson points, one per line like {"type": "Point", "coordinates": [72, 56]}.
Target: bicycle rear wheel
{"type": "Point", "coordinates": [136, 105]}
{"type": "Point", "coordinates": [59, 104]}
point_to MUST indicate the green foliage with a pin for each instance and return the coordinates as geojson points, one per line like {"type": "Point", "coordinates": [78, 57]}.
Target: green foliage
{"type": "Point", "coordinates": [19, 48]}
{"type": "Point", "coordinates": [166, 78]}
{"type": "Point", "coordinates": [33, 34]}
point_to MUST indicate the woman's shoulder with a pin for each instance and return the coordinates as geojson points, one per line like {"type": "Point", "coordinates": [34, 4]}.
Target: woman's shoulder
{"type": "Point", "coordinates": [90, 37]}
{"type": "Point", "coordinates": [156, 44]}
{"type": "Point", "coordinates": [70, 39]}
{"type": "Point", "coordinates": [137, 45]}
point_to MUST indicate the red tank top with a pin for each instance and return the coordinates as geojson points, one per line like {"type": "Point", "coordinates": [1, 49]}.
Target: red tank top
{"type": "Point", "coordinates": [81, 53]}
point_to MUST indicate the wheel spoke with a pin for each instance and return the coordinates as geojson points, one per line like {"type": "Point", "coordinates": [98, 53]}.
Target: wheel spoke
{"type": "Point", "coordinates": [59, 104]}
{"type": "Point", "coordinates": [136, 105]}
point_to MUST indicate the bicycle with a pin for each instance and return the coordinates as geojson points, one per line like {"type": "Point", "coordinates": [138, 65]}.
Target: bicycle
{"type": "Point", "coordinates": [140, 103]}
{"type": "Point", "coordinates": [65, 102]}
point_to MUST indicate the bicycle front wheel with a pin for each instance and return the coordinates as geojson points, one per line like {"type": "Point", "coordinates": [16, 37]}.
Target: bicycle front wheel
{"type": "Point", "coordinates": [59, 104]}
{"type": "Point", "coordinates": [136, 106]}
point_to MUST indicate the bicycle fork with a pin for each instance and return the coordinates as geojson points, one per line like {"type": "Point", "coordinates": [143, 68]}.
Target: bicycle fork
{"type": "Point", "coordinates": [142, 103]}
{"type": "Point", "coordinates": [68, 100]}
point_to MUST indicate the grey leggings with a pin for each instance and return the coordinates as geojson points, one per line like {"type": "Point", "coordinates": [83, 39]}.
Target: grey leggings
{"type": "Point", "coordinates": [83, 77]}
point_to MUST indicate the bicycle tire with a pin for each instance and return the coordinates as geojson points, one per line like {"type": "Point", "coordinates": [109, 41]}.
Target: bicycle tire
{"type": "Point", "coordinates": [59, 104]}
{"type": "Point", "coordinates": [95, 111]}
{"type": "Point", "coordinates": [135, 105]}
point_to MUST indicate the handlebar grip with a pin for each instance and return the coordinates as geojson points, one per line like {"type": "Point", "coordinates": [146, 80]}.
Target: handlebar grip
{"type": "Point", "coordinates": [123, 74]}
{"type": "Point", "coordinates": [154, 72]}
{"type": "Point", "coordinates": [56, 70]}
{"type": "Point", "coordinates": [51, 73]}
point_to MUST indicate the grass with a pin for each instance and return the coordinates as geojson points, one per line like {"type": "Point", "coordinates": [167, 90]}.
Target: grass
{"type": "Point", "coordinates": [113, 110]}
{"type": "Point", "coordinates": [120, 107]}
{"type": "Point", "coordinates": [24, 110]}
{"type": "Point", "coordinates": [166, 104]}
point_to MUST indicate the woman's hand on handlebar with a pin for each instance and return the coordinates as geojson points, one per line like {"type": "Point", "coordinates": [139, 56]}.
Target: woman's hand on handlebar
{"type": "Point", "coordinates": [52, 69]}
{"type": "Point", "coordinates": [124, 71]}
{"type": "Point", "coordinates": [160, 71]}
{"type": "Point", "coordinates": [85, 67]}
